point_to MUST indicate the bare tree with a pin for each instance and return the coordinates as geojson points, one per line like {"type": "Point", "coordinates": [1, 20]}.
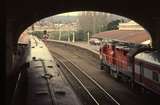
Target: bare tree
{"type": "Point", "coordinates": [92, 21]}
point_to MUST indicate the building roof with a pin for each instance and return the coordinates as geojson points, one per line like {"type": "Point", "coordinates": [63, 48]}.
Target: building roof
{"type": "Point", "coordinates": [131, 25]}
{"type": "Point", "coordinates": [133, 36]}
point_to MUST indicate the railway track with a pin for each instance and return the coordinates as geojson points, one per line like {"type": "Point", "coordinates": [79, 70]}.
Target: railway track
{"type": "Point", "coordinates": [89, 91]}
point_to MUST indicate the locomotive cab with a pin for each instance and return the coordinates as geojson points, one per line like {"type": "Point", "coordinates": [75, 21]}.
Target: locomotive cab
{"type": "Point", "coordinates": [105, 49]}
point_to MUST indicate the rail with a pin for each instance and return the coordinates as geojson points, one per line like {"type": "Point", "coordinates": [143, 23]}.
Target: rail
{"type": "Point", "coordinates": [92, 88]}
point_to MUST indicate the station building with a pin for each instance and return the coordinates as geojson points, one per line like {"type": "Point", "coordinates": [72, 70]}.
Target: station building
{"type": "Point", "coordinates": [129, 32]}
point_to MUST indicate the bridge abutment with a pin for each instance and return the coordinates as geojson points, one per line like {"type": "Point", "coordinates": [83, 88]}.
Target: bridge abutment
{"type": "Point", "coordinates": [155, 33]}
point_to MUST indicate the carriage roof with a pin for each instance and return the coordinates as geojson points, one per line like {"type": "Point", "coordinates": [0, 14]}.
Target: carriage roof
{"type": "Point", "coordinates": [150, 57]}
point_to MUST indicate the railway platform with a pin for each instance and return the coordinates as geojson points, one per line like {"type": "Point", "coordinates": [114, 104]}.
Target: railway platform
{"type": "Point", "coordinates": [44, 83]}
{"type": "Point", "coordinates": [93, 48]}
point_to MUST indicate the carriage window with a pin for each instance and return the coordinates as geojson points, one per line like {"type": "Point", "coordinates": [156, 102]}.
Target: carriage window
{"type": "Point", "coordinates": [141, 71]}
{"type": "Point", "coordinates": [141, 68]}
{"type": "Point", "coordinates": [155, 76]}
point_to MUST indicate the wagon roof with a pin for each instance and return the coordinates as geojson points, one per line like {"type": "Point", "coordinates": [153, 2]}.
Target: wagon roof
{"type": "Point", "coordinates": [24, 38]}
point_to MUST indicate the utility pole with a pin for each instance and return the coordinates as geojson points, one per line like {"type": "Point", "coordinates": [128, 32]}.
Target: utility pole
{"type": "Point", "coordinates": [73, 40]}
{"type": "Point", "coordinates": [88, 37]}
{"type": "Point", "coordinates": [59, 34]}
{"type": "Point", "coordinates": [101, 28]}
{"type": "Point", "coordinates": [68, 37]}
{"type": "Point", "coordinates": [68, 29]}
{"type": "Point", "coordinates": [94, 25]}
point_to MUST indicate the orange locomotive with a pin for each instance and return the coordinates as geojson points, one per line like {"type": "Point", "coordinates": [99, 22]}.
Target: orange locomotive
{"type": "Point", "coordinates": [135, 63]}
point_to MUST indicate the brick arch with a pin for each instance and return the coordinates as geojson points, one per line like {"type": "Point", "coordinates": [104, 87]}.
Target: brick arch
{"type": "Point", "coordinates": [25, 13]}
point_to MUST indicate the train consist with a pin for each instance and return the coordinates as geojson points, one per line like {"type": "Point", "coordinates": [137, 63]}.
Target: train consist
{"type": "Point", "coordinates": [135, 63]}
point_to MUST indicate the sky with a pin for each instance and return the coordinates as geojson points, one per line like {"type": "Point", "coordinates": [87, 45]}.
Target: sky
{"type": "Point", "coordinates": [69, 14]}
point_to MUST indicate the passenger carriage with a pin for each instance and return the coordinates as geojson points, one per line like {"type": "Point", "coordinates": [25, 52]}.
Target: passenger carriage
{"type": "Point", "coordinates": [147, 70]}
